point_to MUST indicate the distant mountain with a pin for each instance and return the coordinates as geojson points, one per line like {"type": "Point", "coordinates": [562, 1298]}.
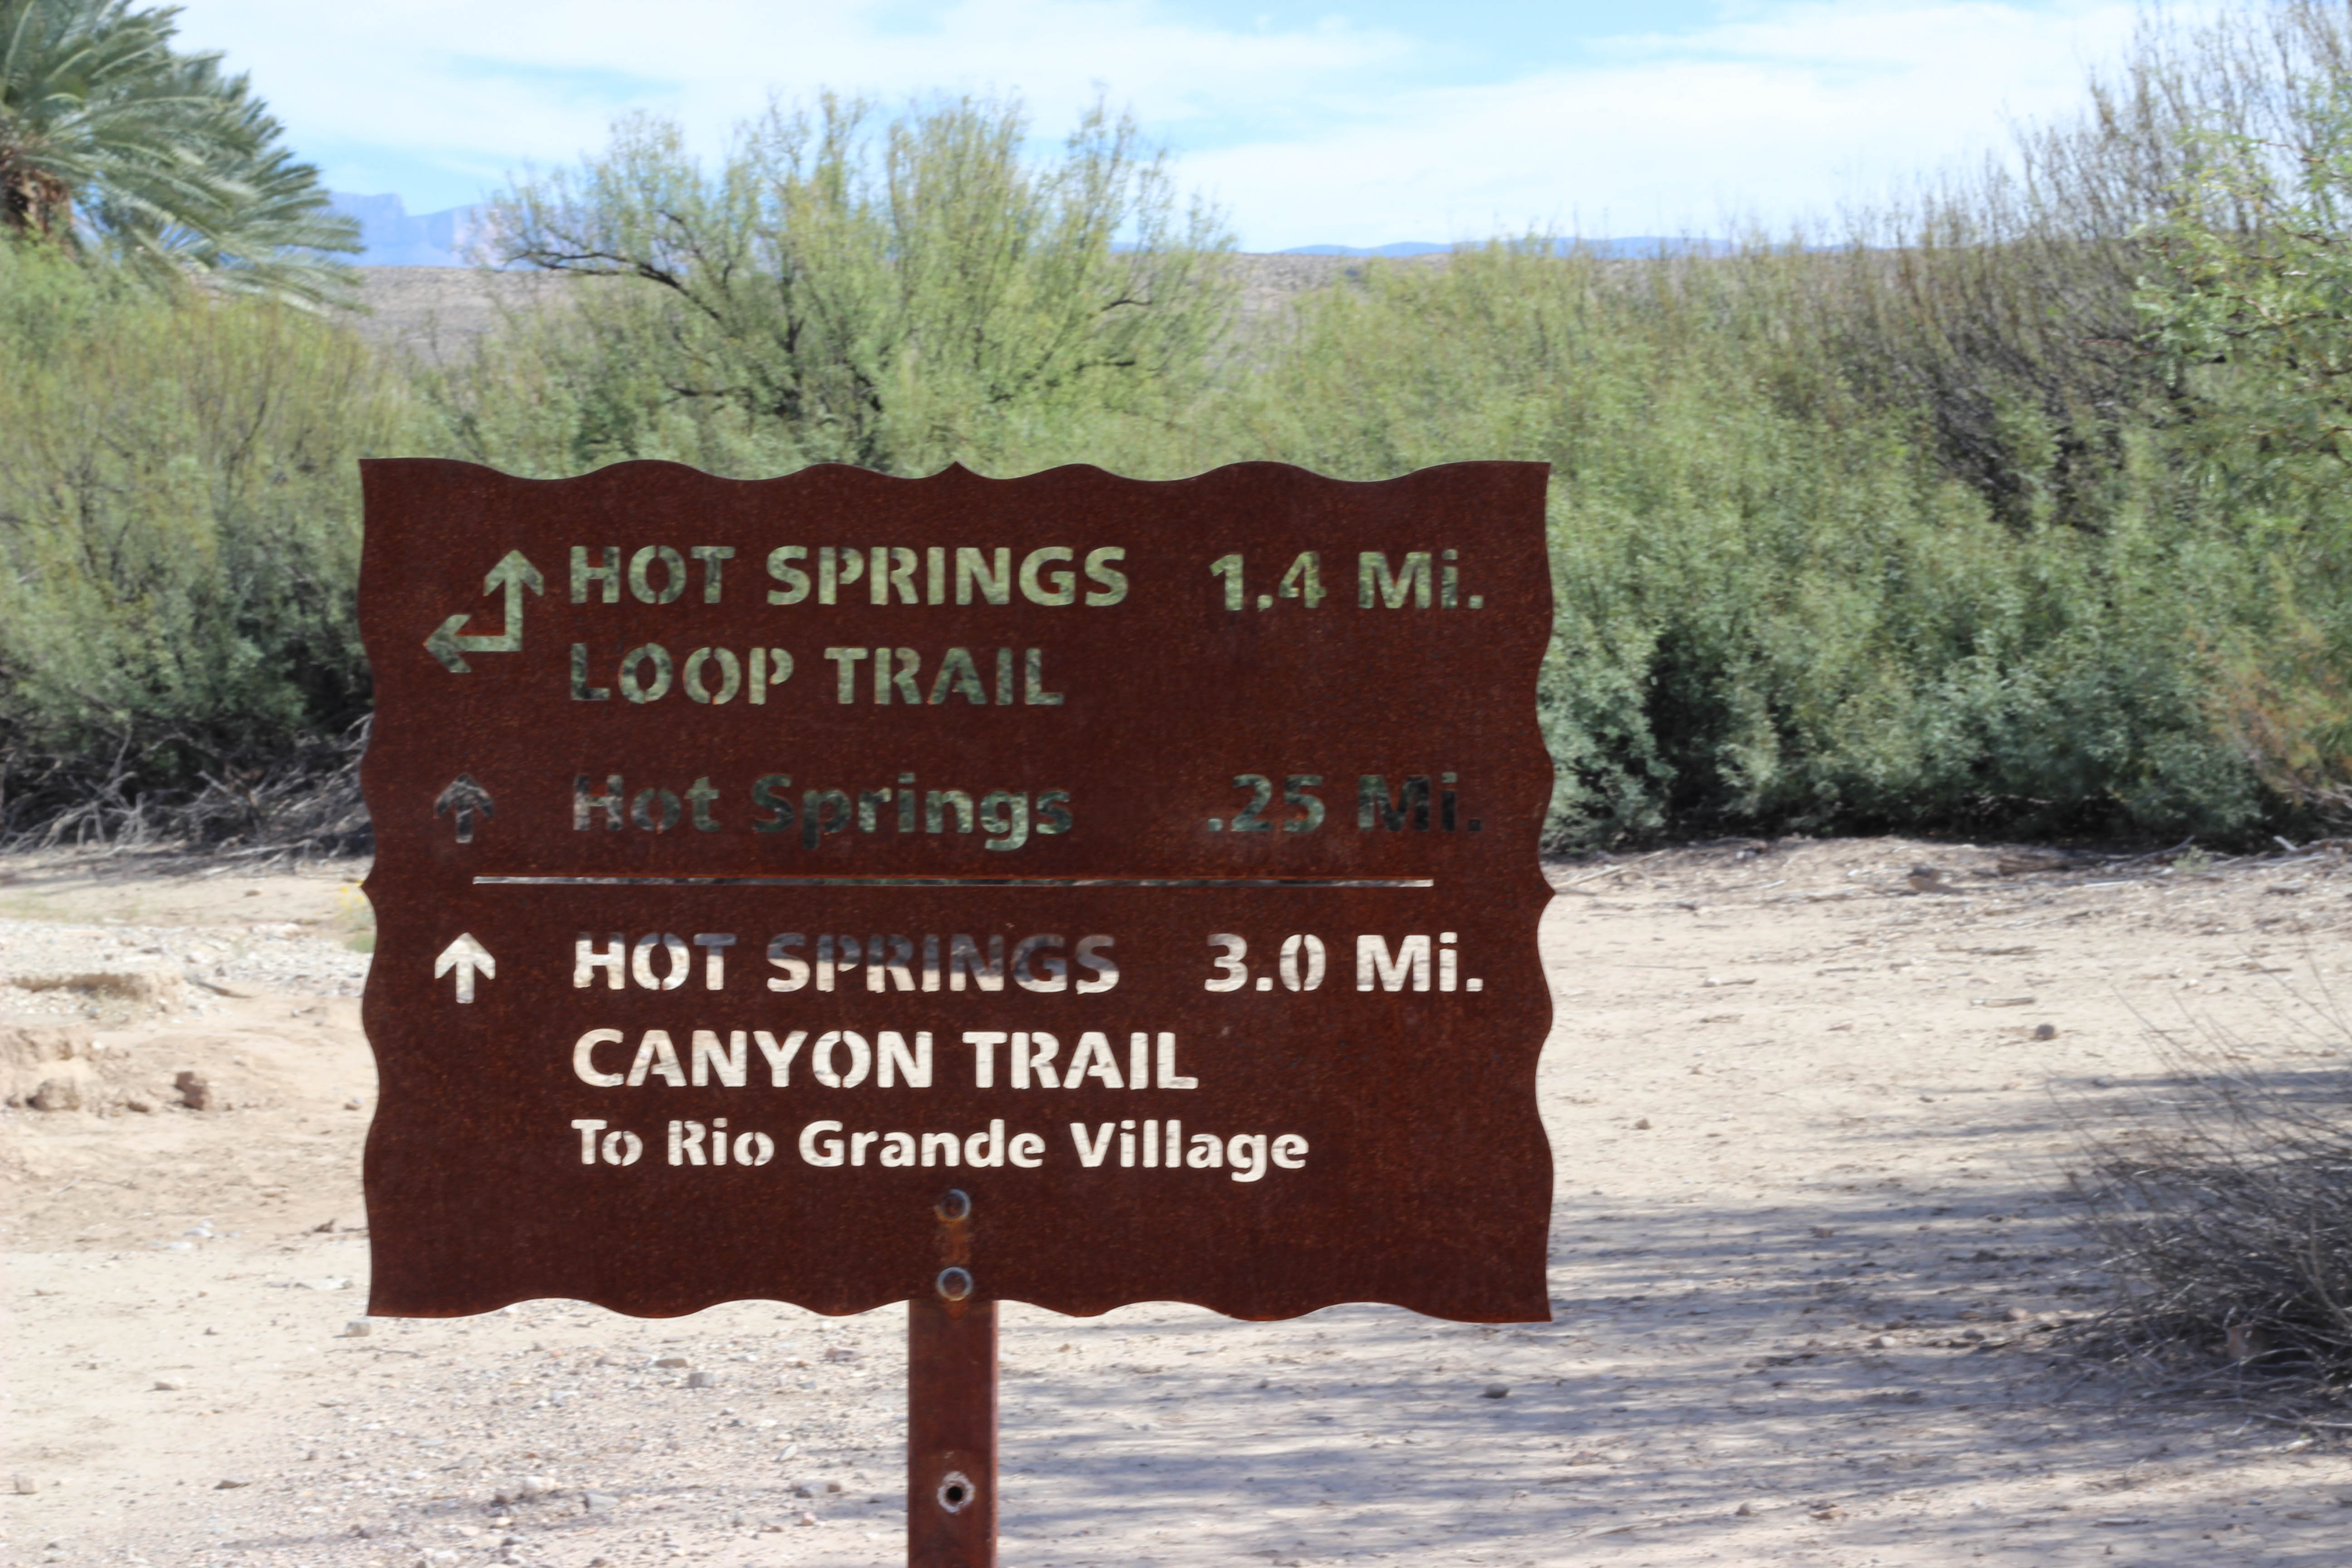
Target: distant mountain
{"type": "Point", "coordinates": [395, 237]}
{"type": "Point", "coordinates": [1403, 247]}
{"type": "Point", "coordinates": [1613, 249]}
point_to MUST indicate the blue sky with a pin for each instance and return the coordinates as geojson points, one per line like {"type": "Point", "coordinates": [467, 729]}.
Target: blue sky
{"type": "Point", "coordinates": [1358, 123]}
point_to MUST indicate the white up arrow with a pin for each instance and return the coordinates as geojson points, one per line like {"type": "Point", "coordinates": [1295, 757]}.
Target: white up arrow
{"type": "Point", "coordinates": [465, 956]}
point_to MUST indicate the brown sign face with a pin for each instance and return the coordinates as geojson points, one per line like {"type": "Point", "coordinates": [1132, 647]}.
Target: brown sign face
{"type": "Point", "coordinates": [1154, 863]}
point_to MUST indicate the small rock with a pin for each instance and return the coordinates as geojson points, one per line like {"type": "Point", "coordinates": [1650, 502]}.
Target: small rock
{"type": "Point", "coordinates": [230, 1484]}
{"type": "Point", "coordinates": [169, 1385]}
{"type": "Point", "coordinates": [841, 1353]}
{"type": "Point", "coordinates": [351, 1105]}
{"type": "Point", "coordinates": [833, 1485]}
{"type": "Point", "coordinates": [357, 1329]}
{"type": "Point", "coordinates": [324, 1227]}
{"type": "Point", "coordinates": [1878, 1342]}
{"type": "Point", "coordinates": [2045, 1031]}
{"type": "Point", "coordinates": [808, 1519]}
{"type": "Point", "coordinates": [1643, 1125]}
{"type": "Point", "coordinates": [143, 1107]}
{"type": "Point", "coordinates": [803, 1489]}
{"type": "Point", "coordinates": [194, 1091]}
{"type": "Point", "coordinates": [57, 1094]}
{"type": "Point", "coordinates": [24, 1486]}
{"type": "Point", "coordinates": [1745, 1510]}
{"type": "Point", "coordinates": [698, 1380]}
{"type": "Point", "coordinates": [1495, 1390]}
{"type": "Point", "coordinates": [669, 1360]}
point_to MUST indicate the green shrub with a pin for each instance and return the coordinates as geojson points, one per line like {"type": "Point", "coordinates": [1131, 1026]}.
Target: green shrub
{"type": "Point", "coordinates": [179, 537]}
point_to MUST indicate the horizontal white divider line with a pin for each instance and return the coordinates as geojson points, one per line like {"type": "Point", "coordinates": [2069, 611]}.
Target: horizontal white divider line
{"type": "Point", "coordinates": [955, 881]}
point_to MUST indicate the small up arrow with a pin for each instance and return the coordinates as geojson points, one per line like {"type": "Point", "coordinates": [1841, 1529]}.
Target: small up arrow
{"type": "Point", "coordinates": [464, 799]}
{"type": "Point", "coordinates": [450, 642]}
{"type": "Point", "coordinates": [465, 956]}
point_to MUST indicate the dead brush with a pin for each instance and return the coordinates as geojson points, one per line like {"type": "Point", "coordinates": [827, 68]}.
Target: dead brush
{"type": "Point", "coordinates": [2222, 1214]}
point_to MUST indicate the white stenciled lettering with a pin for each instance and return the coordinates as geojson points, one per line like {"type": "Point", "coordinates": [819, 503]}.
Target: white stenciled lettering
{"type": "Point", "coordinates": [816, 1148]}
{"type": "Point", "coordinates": [985, 1149]}
{"type": "Point", "coordinates": [963, 960]}
{"type": "Point", "coordinates": [1093, 1058]}
{"type": "Point", "coordinates": [1033, 1056]}
{"type": "Point", "coordinates": [1092, 1153]}
{"type": "Point", "coordinates": [1038, 965]}
{"type": "Point", "coordinates": [584, 1058]}
{"type": "Point", "coordinates": [984, 1044]}
{"type": "Point", "coordinates": [780, 1057]}
{"type": "Point", "coordinates": [821, 1062]}
{"type": "Point", "coordinates": [795, 969]}
{"type": "Point", "coordinates": [641, 962]}
{"type": "Point", "coordinates": [1374, 963]}
{"type": "Point", "coordinates": [1168, 1077]}
{"type": "Point", "coordinates": [897, 1062]}
{"type": "Point", "coordinates": [1246, 1152]}
{"type": "Point", "coordinates": [656, 1053]}
{"type": "Point", "coordinates": [686, 1144]}
{"type": "Point", "coordinates": [714, 945]}
{"type": "Point", "coordinates": [725, 1061]}
{"type": "Point", "coordinates": [1090, 957]}
{"type": "Point", "coordinates": [613, 961]}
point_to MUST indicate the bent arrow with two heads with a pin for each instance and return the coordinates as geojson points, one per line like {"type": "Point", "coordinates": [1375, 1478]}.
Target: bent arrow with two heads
{"type": "Point", "coordinates": [450, 642]}
{"type": "Point", "coordinates": [467, 956]}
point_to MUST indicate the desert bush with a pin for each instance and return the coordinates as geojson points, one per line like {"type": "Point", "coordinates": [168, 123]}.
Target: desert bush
{"type": "Point", "coordinates": [179, 538]}
{"type": "Point", "coordinates": [837, 290]}
{"type": "Point", "coordinates": [2222, 1214]}
{"type": "Point", "coordinates": [1977, 519]}
{"type": "Point", "coordinates": [1775, 607]}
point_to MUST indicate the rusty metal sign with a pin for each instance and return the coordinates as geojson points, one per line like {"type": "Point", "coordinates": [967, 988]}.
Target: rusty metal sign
{"type": "Point", "coordinates": [1154, 864]}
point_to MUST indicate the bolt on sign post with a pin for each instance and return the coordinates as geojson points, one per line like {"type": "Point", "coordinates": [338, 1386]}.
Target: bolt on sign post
{"type": "Point", "coordinates": [845, 889]}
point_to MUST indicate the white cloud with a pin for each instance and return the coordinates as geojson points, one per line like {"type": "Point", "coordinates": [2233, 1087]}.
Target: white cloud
{"type": "Point", "coordinates": [1770, 119]}
{"type": "Point", "coordinates": [1323, 132]}
{"type": "Point", "coordinates": [491, 86]}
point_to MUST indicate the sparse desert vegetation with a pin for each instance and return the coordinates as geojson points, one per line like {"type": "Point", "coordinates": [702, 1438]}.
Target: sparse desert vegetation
{"type": "Point", "coordinates": [2013, 507]}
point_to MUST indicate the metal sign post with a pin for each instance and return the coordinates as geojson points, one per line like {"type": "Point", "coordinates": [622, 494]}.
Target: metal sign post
{"type": "Point", "coordinates": [843, 889]}
{"type": "Point", "coordinates": [951, 1409]}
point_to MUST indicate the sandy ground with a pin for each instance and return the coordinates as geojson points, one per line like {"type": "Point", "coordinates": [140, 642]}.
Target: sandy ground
{"type": "Point", "coordinates": [1808, 1255]}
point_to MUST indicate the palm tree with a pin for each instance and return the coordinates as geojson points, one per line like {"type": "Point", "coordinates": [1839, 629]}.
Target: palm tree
{"type": "Point", "coordinates": [112, 145]}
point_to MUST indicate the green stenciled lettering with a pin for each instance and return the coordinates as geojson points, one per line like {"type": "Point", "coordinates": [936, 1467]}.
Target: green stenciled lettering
{"type": "Point", "coordinates": [1375, 582]}
{"type": "Point", "coordinates": [958, 675]}
{"type": "Point", "coordinates": [768, 794]}
{"type": "Point", "coordinates": [973, 571]}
